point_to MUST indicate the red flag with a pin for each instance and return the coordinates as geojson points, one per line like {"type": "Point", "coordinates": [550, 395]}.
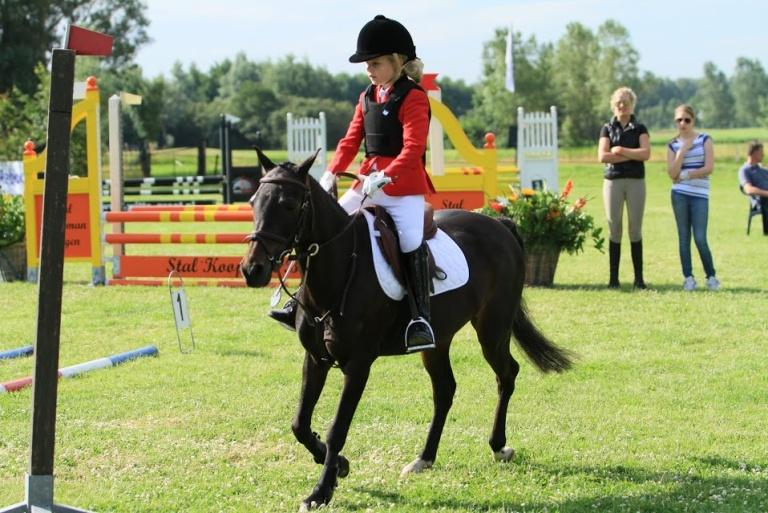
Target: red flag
{"type": "Point", "coordinates": [87, 42]}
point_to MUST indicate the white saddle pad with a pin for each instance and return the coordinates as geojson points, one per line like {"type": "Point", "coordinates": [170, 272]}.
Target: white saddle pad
{"type": "Point", "coordinates": [448, 257]}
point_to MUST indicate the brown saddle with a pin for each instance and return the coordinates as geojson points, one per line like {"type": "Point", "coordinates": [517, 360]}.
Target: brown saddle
{"type": "Point", "coordinates": [389, 241]}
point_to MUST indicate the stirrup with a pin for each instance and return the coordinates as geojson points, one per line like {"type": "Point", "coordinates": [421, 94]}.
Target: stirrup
{"type": "Point", "coordinates": [419, 347]}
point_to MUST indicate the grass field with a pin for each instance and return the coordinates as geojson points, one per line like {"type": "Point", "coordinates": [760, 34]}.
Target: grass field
{"type": "Point", "coordinates": [664, 412]}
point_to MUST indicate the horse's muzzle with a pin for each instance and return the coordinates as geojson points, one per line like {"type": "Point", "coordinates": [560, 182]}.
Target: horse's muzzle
{"type": "Point", "coordinates": [256, 275]}
{"type": "Point", "coordinates": [255, 267]}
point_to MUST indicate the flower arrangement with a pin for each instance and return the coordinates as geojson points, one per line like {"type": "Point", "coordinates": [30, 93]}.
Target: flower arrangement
{"type": "Point", "coordinates": [11, 219]}
{"type": "Point", "coordinates": [546, 219]}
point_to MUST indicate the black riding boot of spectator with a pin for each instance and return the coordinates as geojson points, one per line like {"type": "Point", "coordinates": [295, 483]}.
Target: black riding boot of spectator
{"type": "Point", "coordinates": [286, 316]}
{"type": "Point", "coordinates": [614, 255]}
{"type": "Point", "coordinates": [418, 334]}
{"type": "Point", "coordinates": [637, 263]}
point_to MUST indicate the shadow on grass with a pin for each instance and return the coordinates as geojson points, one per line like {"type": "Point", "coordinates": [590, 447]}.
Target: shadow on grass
{"type": "Point", "coordinates": [240, 352]}
{"type": "Point", "coordinates": [709, 486]}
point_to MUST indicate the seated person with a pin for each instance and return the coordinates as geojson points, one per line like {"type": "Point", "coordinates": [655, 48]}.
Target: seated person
{"type": "Point", "coordinates": [753, 179]}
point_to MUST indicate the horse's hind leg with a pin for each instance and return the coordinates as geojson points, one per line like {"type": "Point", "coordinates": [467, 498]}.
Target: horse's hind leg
{"type": "Point", "coordinates": [494, 336]}
{"type": "Point", "coordinates": [313, 381]}
{"type": "Point", "coordinates": [438, 366]}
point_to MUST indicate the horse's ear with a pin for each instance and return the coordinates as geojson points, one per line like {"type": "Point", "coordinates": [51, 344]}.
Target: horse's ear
{"type": "Point", "coordinates": [305, 166]}
{"type": "Point", "coordinates": [267, 164]}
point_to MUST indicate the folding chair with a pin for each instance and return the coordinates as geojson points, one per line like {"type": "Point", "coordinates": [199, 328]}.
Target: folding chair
{"type": "Point", "coordinates": [754, 208]}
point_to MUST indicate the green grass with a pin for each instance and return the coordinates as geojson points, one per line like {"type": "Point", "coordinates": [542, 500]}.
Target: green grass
{"type": "Point", "coordinates": [664, 412]}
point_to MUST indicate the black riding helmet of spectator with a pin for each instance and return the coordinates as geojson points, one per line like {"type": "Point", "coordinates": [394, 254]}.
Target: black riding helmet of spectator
{"type": "Point", "coordinates": [382, 36]}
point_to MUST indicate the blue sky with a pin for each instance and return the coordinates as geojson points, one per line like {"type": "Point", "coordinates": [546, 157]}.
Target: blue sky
{"type": "Point", "coordinates": [674, 38]}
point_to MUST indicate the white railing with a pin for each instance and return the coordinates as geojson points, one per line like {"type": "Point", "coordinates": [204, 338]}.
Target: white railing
{"type": "Point", "coordinates": [537, 156]}
{"type": "Point", "coordinates": [305, 136]}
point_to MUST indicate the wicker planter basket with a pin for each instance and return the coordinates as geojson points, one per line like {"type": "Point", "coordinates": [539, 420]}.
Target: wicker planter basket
{"type": "Point", "coordinates": [13, 262]}
{"type": "Point", "coordinates": [540, 265]}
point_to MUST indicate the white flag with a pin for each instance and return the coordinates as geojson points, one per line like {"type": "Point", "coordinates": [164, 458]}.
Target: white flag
{"type": "Point", "coordinates": [509, 78]}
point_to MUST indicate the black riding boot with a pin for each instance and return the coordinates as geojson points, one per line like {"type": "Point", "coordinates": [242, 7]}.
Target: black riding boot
{"type": "Point", "coordinates": [418, 334]}
{"type": "Point", "coordinates": [614, 255]}
{"type": "Point", "coordinates": [286, 316]}
{"type": "Point", "coordinates": [637, 263]}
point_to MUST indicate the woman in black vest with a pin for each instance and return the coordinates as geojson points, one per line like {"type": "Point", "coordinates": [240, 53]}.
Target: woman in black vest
{"type": "Point", "coordinates": [624, 147]}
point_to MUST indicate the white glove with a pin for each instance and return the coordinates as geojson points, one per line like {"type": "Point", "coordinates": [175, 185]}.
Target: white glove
{"type": "Point", "coordinates": [374, 182]}
{"type": "Point", "coordinates": [327, 179]}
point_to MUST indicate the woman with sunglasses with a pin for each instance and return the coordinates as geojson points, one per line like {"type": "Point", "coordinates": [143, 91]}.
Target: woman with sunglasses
{"type": "Point", "coordinates": [690, 160]}
{"type": "Point", "coordinates": [624, 147]}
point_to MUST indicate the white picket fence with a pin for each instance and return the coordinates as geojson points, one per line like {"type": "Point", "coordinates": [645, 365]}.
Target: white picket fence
{"type": "Point", "coordinates": [305, 136]}
{"type": "Point", "coordinates": [537, 148]}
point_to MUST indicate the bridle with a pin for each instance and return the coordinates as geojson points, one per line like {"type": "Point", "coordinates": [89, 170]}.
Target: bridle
{"type": "Point", "coordinates": [291, 243]}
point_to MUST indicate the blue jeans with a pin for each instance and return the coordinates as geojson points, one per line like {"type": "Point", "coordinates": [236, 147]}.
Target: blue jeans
{"type": "Point", "coordinates": [691, 214]}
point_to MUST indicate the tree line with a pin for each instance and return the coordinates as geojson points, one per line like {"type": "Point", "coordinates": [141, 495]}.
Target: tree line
{"type": "Point", "coordinates": [576, 74]}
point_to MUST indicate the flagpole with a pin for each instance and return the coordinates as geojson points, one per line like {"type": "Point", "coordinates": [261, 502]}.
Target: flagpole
{"type": "Point", "coordinates": [509, 75]}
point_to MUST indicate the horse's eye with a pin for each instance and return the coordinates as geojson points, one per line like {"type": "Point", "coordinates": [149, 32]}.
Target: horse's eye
{"type": "Point", "coordinates": [289, 204]}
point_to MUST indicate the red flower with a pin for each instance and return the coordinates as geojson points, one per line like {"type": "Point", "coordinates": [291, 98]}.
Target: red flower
{"type": "Point", "coordinates": [580, 203]}
{"type": "Point", "coordinates": [567, 189]}
{"type": "Point", "coordinates": [498, 207]}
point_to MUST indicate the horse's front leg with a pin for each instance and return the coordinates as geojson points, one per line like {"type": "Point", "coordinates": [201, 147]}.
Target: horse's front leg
{"type": "Point", "coordinates": [312, 384]}
{"type": "Point", "coordinates": [355, 378]}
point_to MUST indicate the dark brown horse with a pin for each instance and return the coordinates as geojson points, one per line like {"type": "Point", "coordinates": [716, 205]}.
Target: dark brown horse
{"type": "Point", "coordinates": [345, 318]}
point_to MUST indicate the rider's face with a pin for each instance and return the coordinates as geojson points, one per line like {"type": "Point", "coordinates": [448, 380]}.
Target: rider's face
{"type": "Point", "coordinates": [381, 70]}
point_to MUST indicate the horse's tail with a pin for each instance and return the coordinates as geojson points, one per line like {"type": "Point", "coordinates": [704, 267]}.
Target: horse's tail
{"type": "Point", "coordinates": [541, 351]}
{"type": "Point", "coordinates": [512, 227]}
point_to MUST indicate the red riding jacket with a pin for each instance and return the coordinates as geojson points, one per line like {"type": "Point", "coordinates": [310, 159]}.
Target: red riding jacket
{"type": "Point", "coordinates": [406, 170]}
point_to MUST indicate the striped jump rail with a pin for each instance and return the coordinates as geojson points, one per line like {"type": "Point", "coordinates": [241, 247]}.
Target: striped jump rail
{"type": "Point", "coordinates": [168, 191]}
{"type": "Point", "coordinates": [81, 368]}
{"type": "Point", "coordinates": [176, 238]}
{"type": "Point", "coordinates": [16, 353]}
{"type": "Point", "coordinates": [178, 216]}
{"type": "Point", "coordinates": [170, 180]}
{"type": "Point", "coordinates": [190, 208]}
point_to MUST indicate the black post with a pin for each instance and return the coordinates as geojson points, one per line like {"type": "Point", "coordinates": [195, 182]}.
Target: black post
{"type": "Point", "coordinates": [39, 479]}
{"type": "Point", "coordinates": [225, 164]}
{"type": "Point", "coordinates": [201, 164]}
{"type": "Point", "coordinates": [52, 264]}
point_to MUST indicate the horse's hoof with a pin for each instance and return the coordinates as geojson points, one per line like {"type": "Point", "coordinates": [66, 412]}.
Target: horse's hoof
{"type": "Point", "coordinates": [309, 506]}
{"type": "Point", "coordinates": [343, 467]}
{"type": "Point", "coordinates": [504, 455]}
{"type": "Point", "coordinates": [416, 466]}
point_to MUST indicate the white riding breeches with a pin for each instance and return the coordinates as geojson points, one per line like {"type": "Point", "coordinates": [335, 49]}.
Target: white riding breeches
{"type": "Point", "coordinates": [407, 212]}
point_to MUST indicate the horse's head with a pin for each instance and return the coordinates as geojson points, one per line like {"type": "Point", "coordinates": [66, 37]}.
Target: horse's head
{"type": "Point", "coordinates": [280, 209]}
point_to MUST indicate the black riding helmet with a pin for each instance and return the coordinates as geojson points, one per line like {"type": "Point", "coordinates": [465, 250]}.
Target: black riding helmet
{"type": "Point", "coordinates": [382, 36]}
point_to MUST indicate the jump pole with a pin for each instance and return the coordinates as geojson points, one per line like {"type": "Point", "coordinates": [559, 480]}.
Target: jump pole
{"type": "Point", "coordinates": [82, 368]}
{"type": "Point", "coordinates": [39, 478]}
{"type": "Point", "coordinates": [16, 353]}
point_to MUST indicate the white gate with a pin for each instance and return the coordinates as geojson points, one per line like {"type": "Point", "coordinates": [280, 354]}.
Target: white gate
{"type": "Point", "coordinates": [305, 136]}
{"type": "Point", "coordinates": [537, 148]}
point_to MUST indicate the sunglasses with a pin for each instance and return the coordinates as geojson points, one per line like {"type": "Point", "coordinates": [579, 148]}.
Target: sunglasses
{"type": "Point", "coordinates": [683, 120]}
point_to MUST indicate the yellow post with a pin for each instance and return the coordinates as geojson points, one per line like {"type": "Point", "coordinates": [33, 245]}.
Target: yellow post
{"type": "Point", "coordinates": [83, 227]}
{"type": "Point", "coordinates": [483, 179]}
